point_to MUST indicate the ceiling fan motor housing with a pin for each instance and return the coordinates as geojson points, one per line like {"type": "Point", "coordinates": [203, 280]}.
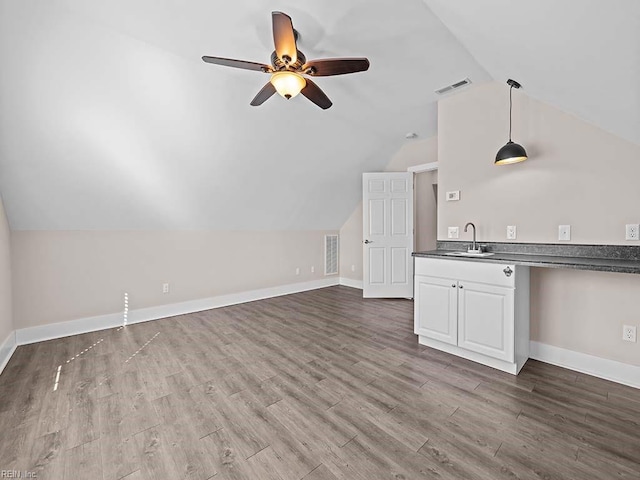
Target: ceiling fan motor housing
{"type": "Point", "coordinates": [279, 64]}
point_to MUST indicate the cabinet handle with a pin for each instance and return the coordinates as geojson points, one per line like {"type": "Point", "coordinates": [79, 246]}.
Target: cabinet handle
{"type": "Point", "coordinates": [460, 286]}
{"type": "Point", "coordinates": [507, 271]}
{"type": "Point", "coordinates": [453, 285]}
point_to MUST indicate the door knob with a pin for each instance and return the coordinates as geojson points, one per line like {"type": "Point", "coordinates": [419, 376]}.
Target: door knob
{"type": "Point", "coordinates": [367, 242]}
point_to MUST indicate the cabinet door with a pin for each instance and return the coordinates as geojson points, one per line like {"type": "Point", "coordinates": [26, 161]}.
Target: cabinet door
{"type": "Point", "coordinates": [435, 314]}
{"type": "Point", "coordinates": [485, 319]}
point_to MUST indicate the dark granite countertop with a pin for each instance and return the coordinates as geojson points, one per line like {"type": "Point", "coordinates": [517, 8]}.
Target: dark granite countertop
{"type": "Point", "coordinates": [600, 258]}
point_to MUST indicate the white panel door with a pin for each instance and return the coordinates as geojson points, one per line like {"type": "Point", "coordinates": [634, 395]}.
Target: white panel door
{"type": "Point", "coordinates": [436, 308]}
{"type": "Point", "coordinates": [485, 319]}
{"type": "Point", "coordinates": [387, 200]}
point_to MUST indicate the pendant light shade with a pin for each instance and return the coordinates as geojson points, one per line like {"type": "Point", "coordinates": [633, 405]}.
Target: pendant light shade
{"type": "Point", "coordinates": [511, 152]}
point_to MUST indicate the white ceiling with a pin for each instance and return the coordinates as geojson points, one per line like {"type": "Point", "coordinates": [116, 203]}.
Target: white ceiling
{"type": "Point", "coordinates": [582, 56]}
{"type": "Point", "coordinates": [110, 120]}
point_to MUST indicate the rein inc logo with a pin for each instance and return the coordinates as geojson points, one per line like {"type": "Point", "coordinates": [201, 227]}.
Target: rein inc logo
{"type": "Point", "coordinates": [17, 474]}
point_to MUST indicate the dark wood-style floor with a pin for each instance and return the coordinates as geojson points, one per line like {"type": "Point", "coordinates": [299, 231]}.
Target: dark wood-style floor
{"type": "Point", "coordinates": [317, 385]}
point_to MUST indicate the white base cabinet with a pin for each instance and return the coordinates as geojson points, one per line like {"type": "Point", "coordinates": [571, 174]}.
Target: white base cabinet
{"type": "Point", "coordinates": [479, 311]}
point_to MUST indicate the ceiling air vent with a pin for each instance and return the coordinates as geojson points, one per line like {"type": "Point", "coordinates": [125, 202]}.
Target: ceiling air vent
{"type": "Point", "coordinates": [454, 86]}
{"type": "Point", "coordinates": [330, 254]}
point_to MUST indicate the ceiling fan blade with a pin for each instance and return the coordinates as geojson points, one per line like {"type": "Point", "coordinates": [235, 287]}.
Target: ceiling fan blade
{"type": "Point", "coordinates": [335, 66]}
{"type": "Point", "coordinates": [317, 96]}
{"type": "Point", "coordinates": [229, 62]}
{"type": "Point", "coordinates": [284, 37]}
{"type": "Point", "coordinates": [263, 95]}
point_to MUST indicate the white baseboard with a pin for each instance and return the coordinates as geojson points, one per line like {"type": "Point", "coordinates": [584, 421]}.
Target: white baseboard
{"type": "Point", "coordinates": [599, 367]}
{"type": "Point", "coordinates": [112, 320]}
{"type": "Point", "coordinates": [349, 282]}
{"type": "Point", "coordinates": [6, 350]}
{"type": "Point", "coordinates": [51, 331]}
{"type": "Point", "coordinates": [581, 362]}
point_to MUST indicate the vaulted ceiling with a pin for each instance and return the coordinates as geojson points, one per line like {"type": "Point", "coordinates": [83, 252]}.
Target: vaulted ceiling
{"type": "Point", "coordinates": [580, 56]}
{"type": "Point", "coordinates": [110, 120]}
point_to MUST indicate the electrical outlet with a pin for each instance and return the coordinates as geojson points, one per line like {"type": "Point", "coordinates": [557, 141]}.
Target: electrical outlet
{"type": "Point", "coordinates": [628, 333]}
{"type": "Point", "coordinates": [353, 268]}
{"type": "Point", "coordinates": [165, 288]}
{"type": "Point", "coordinates": [564, 232]}
{"type": "Point", "coordinates": [511, 232]}
{"type": "Point", "coordinates": [632, 231]}
{"type": "Point", "coordinates": [297, 270]}
{"type": "Point", "coordinates": [313, 269]}
{"type": "Point", "coordinates": [454, 232]}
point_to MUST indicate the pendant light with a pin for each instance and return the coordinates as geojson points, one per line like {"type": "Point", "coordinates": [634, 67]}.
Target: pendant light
{"type": "Point", "coordinates": [511, 152]}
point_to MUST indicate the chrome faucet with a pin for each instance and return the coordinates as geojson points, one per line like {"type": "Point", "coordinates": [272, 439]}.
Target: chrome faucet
{"type": "Point", "coordinates": [474, 248]}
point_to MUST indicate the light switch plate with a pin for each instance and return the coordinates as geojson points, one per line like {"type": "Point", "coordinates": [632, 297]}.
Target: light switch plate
{"type": "Point", "coordinates": [564, 233]}
{"type": "Point", "coordinates": [511, 232]}
{"type": "Point", "coordinates": [453, 196]}
{"type": "Point", "coordinates": [454, 232]}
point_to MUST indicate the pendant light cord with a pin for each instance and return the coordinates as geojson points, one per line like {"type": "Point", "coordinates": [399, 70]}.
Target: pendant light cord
{"type": "Point", "coordinates": [510, 109]}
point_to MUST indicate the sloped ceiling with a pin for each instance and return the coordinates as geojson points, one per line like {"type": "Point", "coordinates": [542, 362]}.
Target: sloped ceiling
{"type": "Point", "coordinates": [110, 120]}
{"type": "Point", "coordinates": [580, 56]}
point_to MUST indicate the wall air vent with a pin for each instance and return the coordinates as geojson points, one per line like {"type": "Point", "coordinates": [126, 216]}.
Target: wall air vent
{"type": "Point", "coordinates": [454, 86]}
{"type": "Point", "coordinates": [330, 254]}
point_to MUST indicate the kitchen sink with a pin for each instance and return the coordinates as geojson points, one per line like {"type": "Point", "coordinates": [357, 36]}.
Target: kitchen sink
{"type": "Point", "coordinates": [469, 254]}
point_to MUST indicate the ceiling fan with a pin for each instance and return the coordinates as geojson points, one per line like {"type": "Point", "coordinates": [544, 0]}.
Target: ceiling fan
{"type": "Point", "coordinates": [289, 67]}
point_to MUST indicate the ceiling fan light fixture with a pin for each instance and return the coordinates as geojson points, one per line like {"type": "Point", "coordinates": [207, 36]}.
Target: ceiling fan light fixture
{"type": "Point", "coordinates": [288, 84]}
{"type": "Point", "coordinates": [288, 65]}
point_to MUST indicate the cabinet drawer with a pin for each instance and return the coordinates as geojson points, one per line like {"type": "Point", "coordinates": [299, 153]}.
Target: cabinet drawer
{"type": "Point", "coordinates": [469, 270]}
